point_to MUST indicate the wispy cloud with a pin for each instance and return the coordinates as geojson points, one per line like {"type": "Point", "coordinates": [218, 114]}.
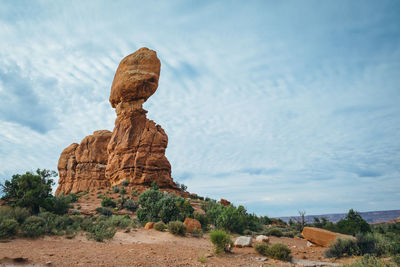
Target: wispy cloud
{"type": "Point", "coordinates": [278, 106]}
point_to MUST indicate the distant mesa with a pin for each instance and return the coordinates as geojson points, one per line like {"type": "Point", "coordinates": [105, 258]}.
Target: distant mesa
{"type": "Point", "coordinates": [135, 150]}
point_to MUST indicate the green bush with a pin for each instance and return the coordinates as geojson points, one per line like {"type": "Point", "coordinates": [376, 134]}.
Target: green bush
{"type": "Point", "coordinates": [59, 204]}
{"type": "Point", "coordinates": [353, 223]}
{"type": "Point", "coordinates": [131, 205]}
{"type": "Point", "coordinates": [396, 259]}
{"type": "Point", "coordinates": [368, 261]}
{"type": "Point", "coordinates": [233, 219]}
{"type": "Point", "coordinates": [104, 211]}
{"type": "Point", "coordinates": [160, 226]}
{"type": "Point", "coordinates": [125, 183]}
{"type": "Point", "coordinates": [73, 197]}
{"type": "Point", "coordinates": [274, 232]}
{"type": "Point", "coordinates": [101, 231]}
{"type": "Point", "coordinates": [279, 251]}
{"type": "Point", "coordinates": [119, 221]}
{"type": "Point", "coordinates": [29, 190]}
{"type": "Point", "coordinates": [115, 189]}
{"type": "Point", "coordinates": [108, 202]}
{"type": "Point", "coordinates": [123, 191]}
{"type": "Point", "coordinates": [197, 233]}
{"type": "Point", "coordinates": [149, 209]}
{"type": "Point", "coordinates": [134, 193]}
{"type": "Point", "coordinates": [8, 228]}
{"type": "Point", "coordinates": [177, 228]}
{"type": "Point", "coordinates": [342, 247]}
{"type": "Point", "coordinates": [221, 241]}
{"type": "Point", "coordinates": [202, 218]}
{"type": "Point", "coordinates": [17, 213]}
{"type": "Point", "coordinates": [261, 248]}
{"type": "Point", "coordinates": [33, 226]}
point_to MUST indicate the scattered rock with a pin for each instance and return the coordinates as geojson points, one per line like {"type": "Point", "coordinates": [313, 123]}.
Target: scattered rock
{"type": "Point", "coordinates": [209, 255]}
{"type": "Point", "coordinates": [191, 224]}
{"type": "Point", "coordinates": [243, 241]}
{"type": "Point", "coordinates": [322, 237]}
{"type": "Point", "coordinates": [262, 238]}
{"type": "Point", "coordinates": [48, 263]}
{"type": "Point", "coordinates": [224, 202]}
{"type": "Point", "coordinates": [309, 244]}
{"type": "Point", "coordinates": [149, 225]}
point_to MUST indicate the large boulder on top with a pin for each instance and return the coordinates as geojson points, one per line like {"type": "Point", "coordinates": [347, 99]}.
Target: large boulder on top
{"type": "Point", "coordinates": [136, 77]}
{"type": "Point", "coordinates": [322, 237]}
{"type": "Point", "coordinates": [191, 224]}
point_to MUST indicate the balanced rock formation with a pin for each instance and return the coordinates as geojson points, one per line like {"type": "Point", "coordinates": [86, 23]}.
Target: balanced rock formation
{"type": "Point", "coordinates": [135, 150]}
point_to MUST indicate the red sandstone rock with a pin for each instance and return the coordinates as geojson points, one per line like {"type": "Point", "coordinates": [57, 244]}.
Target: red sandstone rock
{"type": "Point", "coordinates": [135, 150]}
{"type": "Point", "coordinates": [149, 225]}
{"type": "Point", "coordinates": [224, 202]}
{"type": "Point", "coordinates": [398, 219]}
{"type": "Point", "coordinates": [322, 237]}
{"type": "Point", "coordinates": [191, 224]}
{"type": "Point", "coordinates": [136, 77]}
{"type": "Point", "coordinates": [82, 166]}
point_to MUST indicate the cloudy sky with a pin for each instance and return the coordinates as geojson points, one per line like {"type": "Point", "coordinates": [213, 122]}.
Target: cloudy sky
{"type": "Point", "coordinates": [277, 105]}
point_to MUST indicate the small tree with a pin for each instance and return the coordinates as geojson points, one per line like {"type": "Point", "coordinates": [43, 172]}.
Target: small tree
{"type": "Point", "coordinates": [29, 190]}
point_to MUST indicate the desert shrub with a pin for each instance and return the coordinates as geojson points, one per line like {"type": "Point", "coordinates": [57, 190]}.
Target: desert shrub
{"type": "Point", "coordinates": [122, 191]}
{"type": "Point", "coordinates": [115, 189]}
{"type": "Point", "coordinates": [368, 261]}
{"type": "Point", "coordinates": [119, 221]}
{"type": "Point", "coordinates": [131, 205]}
{"type": "Point", "coordinates": [221, 241]}
{"type": "Point", "coordinates": [261, 248]}
{"type": "Point", "coordinates": [104, 211]}
{"type": "Point", "coordinates": [265, 220]}
{"type": "Point", "coordinates": [8, 228]}
{"type": "Point", "coordinates": [396, 259]}
{"type": "Point", "coordinates": [177, 228]}
{"type": "Point", "coordinates": [232, 219]}
{"type": "Point", "coordinates": [342, 247]}
{"type": "Point", "coordinates": [108, 202]}
{"type": "Point", "coordinates": [274, 232]}
{"type": "Point", "coordinates": [247, 232]}
{"type": "Point", "coordinates": [202, 218]}
{"type": "Point", "coordinates": [185, 209]}
{"type": "Point", "coordinates": [101, 231]}
{"type": "Point", "coordinates": [149, 209]}
{"type": "Point", "coordinates": [134, 193]}
{"type": "Point", "coordinates": [159, 226]}
{"type": "Point", "coordinates": [50, 224]}
{"type": "Point", "coordinates": [17, 213]}
{"type": "Point", "coordinates": [101, 196]}
{"type": "Point", "coordinates": [197, 233]}
{"type": "Point", "coordinates": [33, 226]}
{"type": "Point", "coordinates": [353, 223]}
{"type": "Point", "coordinates": [279, 251]}
{"type": "Point", "coordinates": [125, 183]}
{"type": "Point", "coordinates": [73, 197]}
{"type": "Point", "coordinates": [290, 234]}
{"type": "Point", "coordinates": [59, 204]}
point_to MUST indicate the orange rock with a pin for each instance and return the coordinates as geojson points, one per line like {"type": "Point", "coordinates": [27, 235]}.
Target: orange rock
{"type": "Point", "coordinates": [224, 202]}
{"type": "Point", "coordinates": [135, 150]}
{"type": "Point", "coordinates": [149, 225]}
{"type": "Point", "coordinates": [136, 77]}
{"type": "Point", "coordinates": [322, 237]}
{"type": "Point", "coordinates": [82, 167]}
{"type": "Point", "coordinates": [398, 219]}
{"type": "Point", "coordinates": [191, 224]}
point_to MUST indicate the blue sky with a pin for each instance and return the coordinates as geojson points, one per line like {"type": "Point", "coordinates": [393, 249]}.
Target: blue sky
{"type": "Point", "coordinates": [277, 105]}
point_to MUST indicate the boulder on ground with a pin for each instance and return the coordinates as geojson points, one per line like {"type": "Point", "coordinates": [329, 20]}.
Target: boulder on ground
{"type": "Point", "coordinates": [243, 241]}
{"type": "Point", "coordinates": [191, 224]}
{"type": "Point", "coordinates": [262, 238]}
{"type": "Point", "coordinates": [322, 237]}
{"type": "Point", "coordinates": [398, 219]}
{"type": "Point", "coordinates": [149, 225]}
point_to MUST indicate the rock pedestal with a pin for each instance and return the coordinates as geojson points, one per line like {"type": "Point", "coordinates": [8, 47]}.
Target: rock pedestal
{"type": "Point", "coordinates": [135, 150]}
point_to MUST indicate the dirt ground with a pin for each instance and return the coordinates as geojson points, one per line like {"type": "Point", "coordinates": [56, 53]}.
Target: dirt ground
{"type": "Point", "coordinates": [143, 248]}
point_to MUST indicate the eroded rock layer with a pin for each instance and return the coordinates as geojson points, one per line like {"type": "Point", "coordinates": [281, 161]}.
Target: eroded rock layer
{"type": "Point", "coordinates": [135, 150]}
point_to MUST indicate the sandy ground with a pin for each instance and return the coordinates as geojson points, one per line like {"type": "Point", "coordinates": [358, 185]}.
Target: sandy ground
{"type": "Point", "coordinates": [141, 248]}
